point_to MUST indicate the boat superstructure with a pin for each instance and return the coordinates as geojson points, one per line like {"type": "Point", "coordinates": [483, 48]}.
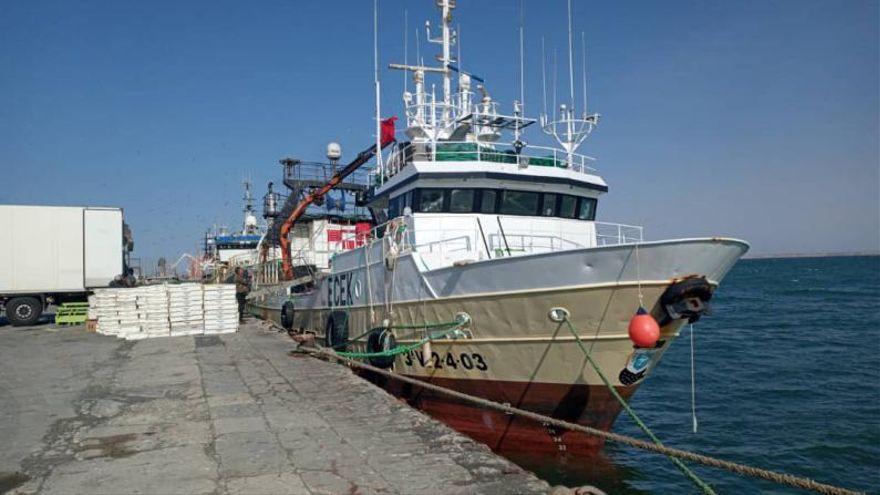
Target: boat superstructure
{"type": "Point", "coordinates": [469, 221]}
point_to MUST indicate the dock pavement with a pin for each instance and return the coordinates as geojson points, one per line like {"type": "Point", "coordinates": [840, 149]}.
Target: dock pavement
{"type": "Point", "coordinates": [222, 414]}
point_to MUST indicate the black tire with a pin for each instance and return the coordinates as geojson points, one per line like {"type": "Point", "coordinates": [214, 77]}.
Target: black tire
{"type": "Point", "coordinates": [336, 331]}
{"type": "Point", "coordinates": [689, 288]}
{"type": "Point", "coordinates": [381, 339]}
{"type": "Point", "coordinates": [287, 311]}
{"type": "Point", "coordinates": [23, 311]}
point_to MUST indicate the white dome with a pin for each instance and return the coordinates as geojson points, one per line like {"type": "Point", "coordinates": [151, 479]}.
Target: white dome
{"type": "Point", "coordinates": [334, 151]}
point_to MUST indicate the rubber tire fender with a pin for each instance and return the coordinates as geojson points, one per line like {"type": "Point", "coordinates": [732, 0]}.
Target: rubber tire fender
{"type": "Point", "coordinates": [287, 312]}
{"type": "Point", "coordinates": [689, 287]}
{"type": "Point", "coordinates": [23, 311]}
{"type": "Point", "coordinates": [381, 339]}
{"type": "Point", "coordinates": [336, 330]}
{"type": "Point", "coordinates": [697, 287]}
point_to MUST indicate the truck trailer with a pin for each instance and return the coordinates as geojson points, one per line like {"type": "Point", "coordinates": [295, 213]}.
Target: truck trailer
{"type": "Point", "coordinates": [53, 254]}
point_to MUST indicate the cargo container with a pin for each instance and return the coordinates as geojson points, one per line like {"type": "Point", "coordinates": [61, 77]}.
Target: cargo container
{"type": "Point", "coordinates": [52, 254]}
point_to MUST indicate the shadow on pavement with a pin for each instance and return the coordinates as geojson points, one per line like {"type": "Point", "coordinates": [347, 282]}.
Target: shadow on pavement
{"type": "Point", "coordinates": [46, 319]}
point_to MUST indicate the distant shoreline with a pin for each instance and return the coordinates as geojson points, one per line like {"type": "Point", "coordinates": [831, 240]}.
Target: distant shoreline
{"type": "Point", "coordinates": [810, 255]}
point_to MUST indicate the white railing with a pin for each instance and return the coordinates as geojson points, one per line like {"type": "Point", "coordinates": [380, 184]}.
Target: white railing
{"type": "Point", "coordinates": [496, 152]}
{"type": "Point", "coordinates": [530, 243]}
{"type": "Point", "coordinates": [266, 273]}
{"type": "Point", "coordinates": [471, 239]}
{"type": "Point", "coordinates": [612, 234]}
{"type": "Point", "coordinates": [460, 243]}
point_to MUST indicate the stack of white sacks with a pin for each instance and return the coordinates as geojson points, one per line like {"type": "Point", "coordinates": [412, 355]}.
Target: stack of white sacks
{"type": "Point", "coordinates": [103, 304]}
{"type": "Point", "coordinates": [221, 308]}
{"type": "Point", "coordinates": [185, 309]}
{"type": "Point", "coordinates": [153, 303]}
{"type": "Point", "coordinates": [163, 310]}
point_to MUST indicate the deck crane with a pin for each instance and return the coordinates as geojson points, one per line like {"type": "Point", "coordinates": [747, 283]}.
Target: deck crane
{"type": "Point", "coordinates": [386, 138]}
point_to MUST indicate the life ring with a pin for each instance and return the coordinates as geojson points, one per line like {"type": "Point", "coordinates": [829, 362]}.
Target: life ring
{"type": "Point", "coordinates": [381, 340]}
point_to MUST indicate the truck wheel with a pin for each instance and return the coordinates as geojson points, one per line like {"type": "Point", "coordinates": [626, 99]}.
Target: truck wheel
{"type": "Point", "coordinates": [23, 311]}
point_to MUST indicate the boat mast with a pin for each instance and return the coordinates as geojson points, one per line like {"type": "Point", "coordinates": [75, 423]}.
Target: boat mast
{"type": "Point", "coordinates": [445, 40]}
{"type": "Point", "coordinates": [433, 127]}
{"type": "Point", "coordinates": [380, 166]}
{"type": "Point", "coordinates": [446, 7]}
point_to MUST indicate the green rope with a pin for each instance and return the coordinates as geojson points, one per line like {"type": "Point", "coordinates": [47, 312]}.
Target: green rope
{"type": "Point", "coordinates": [401, 349]}
{"type": "Point", "coordinates": [426, 326]}
{"type": "Point", "coordinates": [349, 341]}
{"type": "Point", "coordinates": [632, 414]}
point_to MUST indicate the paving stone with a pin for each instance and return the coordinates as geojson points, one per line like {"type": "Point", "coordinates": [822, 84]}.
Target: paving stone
{"type": "Point", "coordinates": [174, 470]}
{"type": "Point", "coordinates": [275, 484]}
{"type": "Point", "coordinates": [249, 454]}
{"type": "Point", "coordinates": [239, 424]}
{"type": "Point", "coordinates": [91, 414]}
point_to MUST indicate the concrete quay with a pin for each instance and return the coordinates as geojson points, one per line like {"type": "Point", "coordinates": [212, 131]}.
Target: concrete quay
{"type": "Point", "coordinates": [228, 414]}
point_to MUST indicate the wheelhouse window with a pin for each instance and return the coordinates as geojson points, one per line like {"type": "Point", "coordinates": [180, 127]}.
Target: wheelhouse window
{"type": "Point", "coordinates": [431, 200]}
{"type": "Point", "coordinates": [567, 206]}
{"type": "Point", "coordinates": [461, 201]}
{"type": "Point", "coordinates": [587, 209]}
{"type": "Point", "coordinates": [488, 198]}
{"type": "Point", "coordinates": [548, 205]}
{"type": "Point", "coordinates": [494, 201]}
{"type": "Point", "coordinates": [519, 203]}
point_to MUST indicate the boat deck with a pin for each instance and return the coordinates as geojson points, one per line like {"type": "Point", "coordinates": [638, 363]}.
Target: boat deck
{"type": "Point", "coordinates": [233, 413]}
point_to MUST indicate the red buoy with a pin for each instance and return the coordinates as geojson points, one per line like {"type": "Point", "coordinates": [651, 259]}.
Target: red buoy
{"type": "Point", "coordinates": [643, 329]}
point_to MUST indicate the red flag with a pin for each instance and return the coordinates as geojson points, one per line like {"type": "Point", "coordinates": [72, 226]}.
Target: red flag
{"type": "Point", "coordinates": [387, 134]}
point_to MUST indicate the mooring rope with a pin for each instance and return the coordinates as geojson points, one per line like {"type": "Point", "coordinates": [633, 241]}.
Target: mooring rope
{"type": "Point", "coordinates": [693, 382]}
{"type": "Point", "coordinates": [733, 467]}
{"type": "Point", "coordinates": [423, 326]}
{"type": "Point", "coordinates": [632, 414]}
{"type": "Point", "coordinates": [401, 349]}
{"type": "Point", "coordinates": [780, 478]}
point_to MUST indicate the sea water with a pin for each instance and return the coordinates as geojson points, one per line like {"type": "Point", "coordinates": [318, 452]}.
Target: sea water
{"type": "Point", "coordinates": [787, 379]}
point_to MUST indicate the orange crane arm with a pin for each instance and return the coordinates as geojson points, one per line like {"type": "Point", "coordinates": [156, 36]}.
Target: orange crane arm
{"type": "Point", "coordinates": [386, 138]}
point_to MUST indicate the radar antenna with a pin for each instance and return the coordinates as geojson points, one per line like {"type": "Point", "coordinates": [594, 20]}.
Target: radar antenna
{"type": "Point", "coordinates": [568, 129]}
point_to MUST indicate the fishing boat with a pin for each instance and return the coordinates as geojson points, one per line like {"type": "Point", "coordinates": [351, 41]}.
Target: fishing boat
{"type": "Point", "coordinates": [496, 243]}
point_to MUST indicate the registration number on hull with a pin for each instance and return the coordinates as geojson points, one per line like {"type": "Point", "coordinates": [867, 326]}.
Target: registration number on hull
{"type": "Point", "coordinates": [452, 360]}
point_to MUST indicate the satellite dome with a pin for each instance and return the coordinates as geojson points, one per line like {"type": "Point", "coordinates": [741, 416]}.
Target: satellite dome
{"type": "Point", "coordinates": [334, 151]}
{"type": "Point", "coordinates": [250, 220]}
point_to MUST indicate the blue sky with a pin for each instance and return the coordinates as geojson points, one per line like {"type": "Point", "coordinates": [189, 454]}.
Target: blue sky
{"type": "Point", "coordinates": [753, 119]}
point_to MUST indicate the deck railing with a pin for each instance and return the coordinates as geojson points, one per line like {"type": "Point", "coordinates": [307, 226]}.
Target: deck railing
{"type": "Point", "coordinates": [612, 234]}
{"type": "Point", "coordinates": [495, 152]}
{"type": "Point", "coordinates": [480, 240]}
{"type": "Point", "coordinates": [529, 243]}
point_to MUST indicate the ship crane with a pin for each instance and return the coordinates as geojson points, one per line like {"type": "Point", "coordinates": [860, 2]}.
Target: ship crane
{"type": "Point", "coordinates": [317, 195]}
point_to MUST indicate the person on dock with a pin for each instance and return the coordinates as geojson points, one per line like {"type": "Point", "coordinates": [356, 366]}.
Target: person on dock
{"type": "Point", "coordinates": [242, 288]}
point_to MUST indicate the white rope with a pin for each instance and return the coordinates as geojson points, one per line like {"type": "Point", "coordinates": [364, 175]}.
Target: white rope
{"type": "Point", "coordinates": [639, 277]}
{"type": "Point", "coordinates": [366, 248]}
{"type": "Point", "coordinates": [693, 382]}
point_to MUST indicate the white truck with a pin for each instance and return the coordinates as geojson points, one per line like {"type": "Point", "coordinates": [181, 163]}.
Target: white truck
{"type": "Point", "coordinates": [53, 254]}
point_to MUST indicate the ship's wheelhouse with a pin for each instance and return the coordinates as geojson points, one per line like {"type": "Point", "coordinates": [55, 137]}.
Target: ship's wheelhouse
{"type": "Point", "coordinates": [492, 201]}
{"type": "Point", "coordinates": [476, 210]}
